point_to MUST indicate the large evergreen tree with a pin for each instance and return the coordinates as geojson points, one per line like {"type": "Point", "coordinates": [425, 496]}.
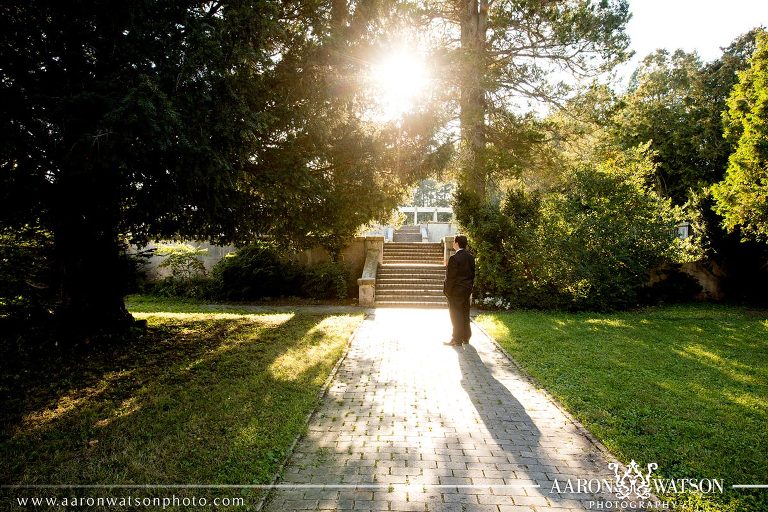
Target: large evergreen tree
{"type": "Point", "coordinates": [675, 103]}
{"type": "Point", "coordinates": [667, 107]}
{"type": "Point", "coordinates": [126, 119]}
{"type": "Point", "coordinates": [742, 197]}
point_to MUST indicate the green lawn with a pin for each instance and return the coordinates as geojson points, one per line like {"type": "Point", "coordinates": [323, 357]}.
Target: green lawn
{"type": "Point", "coordinates": [683, 386]}
{"type": "Point", "coordinates": [206, 397]}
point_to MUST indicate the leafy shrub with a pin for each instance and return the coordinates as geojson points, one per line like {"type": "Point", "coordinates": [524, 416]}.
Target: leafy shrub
{"type": "Point", "coordinates": [26, 273]}
{"type": "Point", "coordinates": [196, 287]}
{"type": "Point", "coordinates": [325, 281]}
{"type": "Point", "coordinates": [614, 230]}
{"type": "Point", "coordinates": [188, 277]}
{"type": "Point", "coordinates": [183, 260]}
{"type": "Point", "coordinates": [511, 255]}
{"type": "Point", "coordinates": [253, 272]}
{"type": "Point", "coordinates": [589, 245]}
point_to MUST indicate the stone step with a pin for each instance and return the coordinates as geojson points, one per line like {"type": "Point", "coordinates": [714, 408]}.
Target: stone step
{"type": "Point", "coordinates": [411, 266]}
{"type": "Point", "coordinates": [428, 255]}
{"type": "Point", "coordinates": [428, 281]}
{"type": "Point", "coordinates": [414, 250]}
{"type": "Point", "coordinates": [424, 263]}
{"type": "Point", "coordinates": [410, 304]}
{"type": "Point", "coordinates": [400, 247]}
{"type": "Point", "coordinates": [409, 280]}
{"type": "Point", "coordinates": [406, 238]}
{"type": "Point", "coordinates": [413, 257]}
{"type": "Point", "coordinates": [405, 254]}
{"type": "Point", "coordinates": [410, 289]}
{"type": "Point", "coordinates": [406, 263]}
{"type": "Point", "coordinates": [418, 260]}
{"type": "Point", "coordinates": [409, 297]}
{"type": "Point", "coordinates": [391, 297]}
{"type": "Point", "coordinates": [412, 245]}
{"type": "Point", "coordinates": [391, 287]}
{"type": "Point", "coordinates": [418, 292]}
{"type": "Point", "coordinates": [411, 274]}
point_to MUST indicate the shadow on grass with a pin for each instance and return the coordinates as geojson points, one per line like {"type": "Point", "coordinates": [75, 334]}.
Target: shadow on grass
{"type": "Point", "coordinates": [686, 387]}
{"type": "Point", "coordinates": [201, 399]}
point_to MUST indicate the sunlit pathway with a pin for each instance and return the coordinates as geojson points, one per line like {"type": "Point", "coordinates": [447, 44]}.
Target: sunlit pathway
{"type": "Point", "coordinates": [419, 426]}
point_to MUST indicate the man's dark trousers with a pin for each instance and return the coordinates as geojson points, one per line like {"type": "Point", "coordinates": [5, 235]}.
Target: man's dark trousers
{"type": "Point", "coordinates": [458, 307]}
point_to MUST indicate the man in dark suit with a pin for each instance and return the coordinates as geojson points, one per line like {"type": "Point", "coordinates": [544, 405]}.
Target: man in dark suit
{"type": "Point", "coordinates": [459, 279]}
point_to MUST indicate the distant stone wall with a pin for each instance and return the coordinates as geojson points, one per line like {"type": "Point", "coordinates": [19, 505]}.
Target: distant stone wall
{"type": "Point", "coordinates": [437, 231]}
{"type": "Point", "coordinates": [214, 254]}
{"type": "Point", "coordinates": [709, 276]}
{"type": "Point", "coordinates": [353, 256]}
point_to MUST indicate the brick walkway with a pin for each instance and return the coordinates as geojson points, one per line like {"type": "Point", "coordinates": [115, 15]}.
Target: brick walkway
{"type": "Point", "coordinates": [412, 425]}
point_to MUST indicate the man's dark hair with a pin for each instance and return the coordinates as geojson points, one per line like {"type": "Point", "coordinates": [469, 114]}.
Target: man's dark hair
{"type": "Point", "coordinates": [461, 240]}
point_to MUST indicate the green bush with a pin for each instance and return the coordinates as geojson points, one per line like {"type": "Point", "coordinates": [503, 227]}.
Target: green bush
{"type": "Point", "coordinates": [188, 277]}
{"type": "Point", "coordinates": [183, 260]}
{"type": "Point", "coordinates": [589, 245]}
{"type": "Point", "coordinates": [325, 281]}
{"type": "Point", "coordinates": [26, 274]}
{"type": "Point", "coordinates": [197, 287]}
{"type": "Point", "coordinates": [511, 256]}
{"type": "Point", "coordinates": [254, 272]}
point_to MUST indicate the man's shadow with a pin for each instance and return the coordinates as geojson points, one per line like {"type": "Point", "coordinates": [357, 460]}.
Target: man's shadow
{"type": "Point", "coordinates": [511, 433]}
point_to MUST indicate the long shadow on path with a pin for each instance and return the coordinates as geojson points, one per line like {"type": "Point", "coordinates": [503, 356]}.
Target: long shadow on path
{"type": "Point", "coordinates": [526, 440]}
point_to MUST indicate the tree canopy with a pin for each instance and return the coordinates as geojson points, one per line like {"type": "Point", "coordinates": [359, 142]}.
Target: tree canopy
{"type": "Point", "coordinates": [218, 120]}
{"type": "Point", "coordinates": [667, 105]}
{"type": "Point", "coordinates": [742, 197]}
{"type": "Point", "coordinates": [127, 119]}
{"type": "Point", "coordinates": [505, 55]}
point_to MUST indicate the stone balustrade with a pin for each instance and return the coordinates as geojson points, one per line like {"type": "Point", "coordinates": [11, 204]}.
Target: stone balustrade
{"type": "Point", "coordinates": [374, 251]}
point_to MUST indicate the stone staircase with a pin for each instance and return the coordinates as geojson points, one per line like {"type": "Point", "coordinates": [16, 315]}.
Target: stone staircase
{"type": "Point", "coordinates": [411, 274]}
{"type": "Point", "coordinates": [407, 234]}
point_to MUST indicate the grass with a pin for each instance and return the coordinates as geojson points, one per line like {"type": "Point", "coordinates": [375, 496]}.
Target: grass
{"type": "Point", "coordinates": [684, 386]}
{"type": "Point", "coordinates": [208, 396]}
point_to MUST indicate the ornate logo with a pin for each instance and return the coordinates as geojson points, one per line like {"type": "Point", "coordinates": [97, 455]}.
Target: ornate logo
{"type": "Point", "coordinates": [633, 482]}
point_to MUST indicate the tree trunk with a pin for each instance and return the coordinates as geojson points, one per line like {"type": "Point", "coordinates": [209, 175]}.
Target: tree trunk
{"type": "Point", "coordinates": [92, 274]}
{"type": "Point", "coordinates": [473, 20]}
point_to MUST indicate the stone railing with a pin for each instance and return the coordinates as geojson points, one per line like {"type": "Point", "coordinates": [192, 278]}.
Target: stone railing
{"type": "Point", "coordinates": [374, 253]}
{"type": "Point", "coordinates": [415, 210]}
{"type": "Point", "coordinates": [447, 248]}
